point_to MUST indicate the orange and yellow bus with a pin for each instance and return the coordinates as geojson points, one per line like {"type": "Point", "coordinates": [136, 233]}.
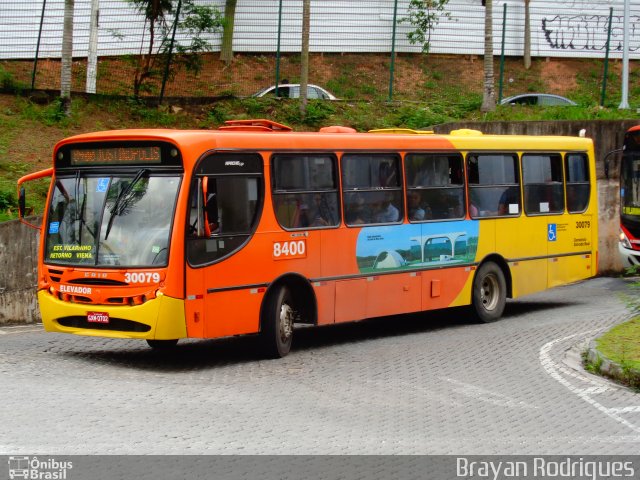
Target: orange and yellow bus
{"type": "Point", "coordinates": [252, 228]}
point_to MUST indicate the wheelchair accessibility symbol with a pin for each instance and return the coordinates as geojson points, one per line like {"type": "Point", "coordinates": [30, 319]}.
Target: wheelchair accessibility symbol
{"type": "Point", "coordinates": [552, 232]}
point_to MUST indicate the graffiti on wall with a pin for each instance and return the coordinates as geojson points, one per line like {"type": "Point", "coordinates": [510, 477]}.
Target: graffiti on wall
{"type": "Point", "coordinates": [589, 32]}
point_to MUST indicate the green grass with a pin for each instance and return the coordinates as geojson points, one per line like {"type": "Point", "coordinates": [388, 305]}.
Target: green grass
{"type": "Point", "coordinates": [622, 344]}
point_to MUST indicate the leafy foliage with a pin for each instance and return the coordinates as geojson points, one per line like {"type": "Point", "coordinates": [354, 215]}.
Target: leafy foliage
{"type": "Point", "coordinates": [191, 21]}
{"type": "Point", "coordinates": [424, 15]}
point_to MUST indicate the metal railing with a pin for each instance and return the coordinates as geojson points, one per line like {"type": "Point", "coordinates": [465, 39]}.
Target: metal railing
{"type": "Point", "coordinates": [267, 39]}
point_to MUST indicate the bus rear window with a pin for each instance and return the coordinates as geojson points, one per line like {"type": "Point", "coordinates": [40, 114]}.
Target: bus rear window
{"type": "Point", "coordinates": [578, 188]}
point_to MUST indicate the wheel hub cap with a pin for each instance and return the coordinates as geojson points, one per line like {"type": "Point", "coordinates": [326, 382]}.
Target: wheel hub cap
{"type": "Point", "coordinates": [489, 292]}
{"type": "Point", "coordinates": [286, 321]}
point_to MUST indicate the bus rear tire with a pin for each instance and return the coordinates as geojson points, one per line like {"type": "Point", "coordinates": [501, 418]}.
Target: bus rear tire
{"type": "Point", "coordinates": [277, 325]}
{"type": "Point", "coordinates": [489, 293]}
{"type": "Point", "coordinates": [161, 345]}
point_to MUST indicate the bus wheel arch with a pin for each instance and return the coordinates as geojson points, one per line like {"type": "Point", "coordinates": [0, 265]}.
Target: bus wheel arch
{"type": "Point", "coordinates": [492, 285]}
{"type": "Point", "coordinates": [289, 299]}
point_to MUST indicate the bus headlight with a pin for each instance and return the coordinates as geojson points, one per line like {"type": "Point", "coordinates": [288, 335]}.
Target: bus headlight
{"type": "Point", "coordinates": [625, 241]}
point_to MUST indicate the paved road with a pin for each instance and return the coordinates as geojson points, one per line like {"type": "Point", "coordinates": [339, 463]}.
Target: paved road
{"type": "Point", "coordinates": [422, 384]}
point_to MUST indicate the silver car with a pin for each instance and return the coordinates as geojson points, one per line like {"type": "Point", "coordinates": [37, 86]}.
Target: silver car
{"type": "Point", "coordinates": [539, 99]}
{"type": "Point", "coordinates": [292, 90]}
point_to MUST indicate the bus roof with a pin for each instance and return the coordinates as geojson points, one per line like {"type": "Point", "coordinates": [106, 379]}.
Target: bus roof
{"type": "Point", "coordinates": [337, 138]}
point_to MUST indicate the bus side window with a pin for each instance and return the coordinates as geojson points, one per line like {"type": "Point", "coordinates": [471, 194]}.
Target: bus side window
{"type": "Point", "coordinates": [435, 186]}
{"type": "Point", "coordinates": [372, 189]}
{"type": "Point", "coordinates": [578, 187]}
{"type": "Point", "coordinates": [226, 199]}
{"type": "Point", "coordinates": [543, 183]}
{"type": "Point", "coordinates": [494, 185]}
{"type": "Point", "coordinates": [305, 192]}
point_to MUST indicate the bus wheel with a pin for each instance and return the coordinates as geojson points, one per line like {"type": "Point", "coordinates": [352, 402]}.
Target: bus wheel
{"type": "Point", "coordinates": [277, 324]}
{"type": "Point", "coordinates": [489, 292]}
{"type": "Point", "coordinates": [162, 344]}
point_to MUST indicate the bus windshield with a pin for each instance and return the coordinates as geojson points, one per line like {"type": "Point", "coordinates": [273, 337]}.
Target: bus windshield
{"type": "Point", "coordinates": [106, 221]}
{"type": "Point", "coordinates": [630, 184]}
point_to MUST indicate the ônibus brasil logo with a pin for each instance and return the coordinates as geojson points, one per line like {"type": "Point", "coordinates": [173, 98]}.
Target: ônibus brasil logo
{"type": "Point", "coordinates": [32, 468]}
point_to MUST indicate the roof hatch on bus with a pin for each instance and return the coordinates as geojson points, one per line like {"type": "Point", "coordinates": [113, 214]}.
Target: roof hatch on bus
{"type": "Point", "coordinates": [257, 125]}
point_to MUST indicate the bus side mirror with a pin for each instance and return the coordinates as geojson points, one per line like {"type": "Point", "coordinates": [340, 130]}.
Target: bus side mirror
{"type": "Point", "coordinates": [22, 202]}
{"type": "Point", "coordinates": [607, 158]}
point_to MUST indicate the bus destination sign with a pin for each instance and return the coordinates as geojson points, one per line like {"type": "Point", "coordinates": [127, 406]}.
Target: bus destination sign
{"type": "Point", "coordinates": [116, 156]}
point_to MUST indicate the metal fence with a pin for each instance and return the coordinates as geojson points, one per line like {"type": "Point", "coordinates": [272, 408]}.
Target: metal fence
{"type": "Point", "coordinates": [341, 31]}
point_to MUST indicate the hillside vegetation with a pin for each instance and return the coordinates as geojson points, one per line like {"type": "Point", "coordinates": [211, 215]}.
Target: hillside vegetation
{"type": "Point", "coordinates": [30, 125]}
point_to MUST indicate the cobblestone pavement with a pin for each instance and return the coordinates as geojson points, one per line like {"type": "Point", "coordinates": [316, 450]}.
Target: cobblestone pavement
{"type": "Point", "coordinates": [421, 384]}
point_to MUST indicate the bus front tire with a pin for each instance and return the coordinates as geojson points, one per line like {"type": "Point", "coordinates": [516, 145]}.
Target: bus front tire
{"type": "Point", "coordinates": [277, 325]}
{"type": "Point", "coordinates": [162, 344]}
{"type": "Point", "coordinates": [489, 293]}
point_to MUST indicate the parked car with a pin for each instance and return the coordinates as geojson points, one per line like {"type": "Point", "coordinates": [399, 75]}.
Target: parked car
{"type": "Point", "coordinates": [540, 99]}
{"type": "Point", "coordinates": [292, 90]}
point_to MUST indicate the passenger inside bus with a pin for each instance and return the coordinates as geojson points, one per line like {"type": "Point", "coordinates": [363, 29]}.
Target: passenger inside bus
{"type": "Point", "coordinates": [356, 210]}
{"type": "Point", "coordinates": [416, 212]}
{"type": "Point", "coordinates": [384, 209]}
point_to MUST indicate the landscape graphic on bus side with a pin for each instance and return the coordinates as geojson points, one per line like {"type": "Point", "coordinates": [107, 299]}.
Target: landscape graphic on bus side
{"type": "Point", "coordinates": [417, 245]}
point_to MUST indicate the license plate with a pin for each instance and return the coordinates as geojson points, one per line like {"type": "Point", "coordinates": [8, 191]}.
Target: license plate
{"type": "Point", "coordinates": [97, 317]}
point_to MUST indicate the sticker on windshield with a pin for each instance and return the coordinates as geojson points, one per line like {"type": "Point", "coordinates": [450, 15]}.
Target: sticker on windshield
{"type": "Point", "coordinates": [103, 185]}
{"type": "Point", "coordinates": [54, 227]}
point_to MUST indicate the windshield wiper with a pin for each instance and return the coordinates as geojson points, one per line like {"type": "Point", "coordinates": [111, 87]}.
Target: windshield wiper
{"type": "Point", "coordinates": [118, 205]}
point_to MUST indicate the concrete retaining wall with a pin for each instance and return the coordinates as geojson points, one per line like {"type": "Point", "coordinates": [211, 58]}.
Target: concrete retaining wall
{"type": "Point", "coordinates": [18, 272]}
{"type": "Point", "coordinates": [18, 243]}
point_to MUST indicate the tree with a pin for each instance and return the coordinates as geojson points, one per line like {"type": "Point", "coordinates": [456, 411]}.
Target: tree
{"type": "Point", "coordinates": [67, 57]}
{"type": "Point", "coordinates": [192, 21]}
{"type": "Point", "coordinates": [304, 60]}
{"type": "Point", "coordinates": [226, 49]}
{"type": "Point", "coordinates": [424, 15]}
{"type": "Point", "coordinates": [489, 94]}
{"type": "Point", "coordinates": [527, 35]}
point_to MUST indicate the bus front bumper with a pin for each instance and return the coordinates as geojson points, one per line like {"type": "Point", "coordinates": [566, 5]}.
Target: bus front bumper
{"type": "Point", "coordinates": [161, 318]}
{"type": "Point", "coordinates": [628, 257]}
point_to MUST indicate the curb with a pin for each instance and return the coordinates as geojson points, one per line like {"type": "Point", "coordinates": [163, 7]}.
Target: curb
{"type": "Point", "coordinates": [608, 368]}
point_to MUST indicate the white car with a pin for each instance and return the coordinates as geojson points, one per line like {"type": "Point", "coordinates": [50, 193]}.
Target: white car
{"type": "Point", "coordinates": [292, 90]}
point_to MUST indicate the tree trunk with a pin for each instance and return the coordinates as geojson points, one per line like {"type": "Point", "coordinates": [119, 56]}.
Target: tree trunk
{"type": "Point", "coordinates": [226, 49]}
{"type": "Point", "coordinates": [489, 95]}
{"type": "Point", "coordinates": [67, 57]}
{"type": "Point", "coordinates": [304, 60]}
{"type": "Point", "coordinates": [92, 56]}
{"type": "Point", "coordinates": [527, 35]}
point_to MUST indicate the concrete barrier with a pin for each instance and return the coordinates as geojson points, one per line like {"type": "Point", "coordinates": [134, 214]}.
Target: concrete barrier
{"type": "Point", "coordinates": [19, 272]}
{"type": "Point", "coordinates": [19, 243]}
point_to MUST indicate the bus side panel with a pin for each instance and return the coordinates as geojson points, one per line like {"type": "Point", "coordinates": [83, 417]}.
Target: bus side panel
{"type": "Point", "coordinates": [573, 238]}
{"type": "Point", "coordinates": [194, 302]}
{"type": "Point", "coordinates": [443, 288]}
{"type": "Point", "coordinates": [351, 300]}
{"type": "Point", "coordinates": [393, 294]}
{"type": "Point", "coordinates": [528, 276]}
{"type": "Point", "coordinates": [486, 238]}
{"type": "Point", "coordinates": [325, 293]}
{"type": "Point", "coordinates": [523, 242]}
{"type": "Point", "coordinates": [233, 312]}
